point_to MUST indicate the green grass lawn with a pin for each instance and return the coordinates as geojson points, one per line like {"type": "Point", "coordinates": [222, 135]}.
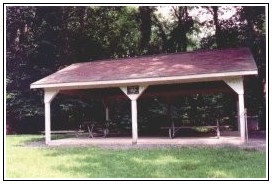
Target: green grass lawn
{"type": "Point", "coordinates": [91, 162]}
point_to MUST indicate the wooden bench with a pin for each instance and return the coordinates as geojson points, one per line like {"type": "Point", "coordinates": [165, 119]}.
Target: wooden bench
{"type": "Point", "coordinates": [87, 126]}
{"type": "Point", "coordinates": [61, 131]}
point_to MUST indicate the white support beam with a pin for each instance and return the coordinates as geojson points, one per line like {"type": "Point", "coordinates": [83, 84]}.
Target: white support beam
{"type": "Point", "coordinates": [237, 85]}
{"type": "Point", "coordinates": [133, 93]}
{"type": "Point", "coordinates": [47, 116]}
{"type": "Point", "coordinates": [107, 113]}
{"type": "Point", "coordinates": [134, 121]}
{"type": "Point", "coordinates": [133, 96]}
{"type": "Point", "coordinates": [48, 97]}
{"type": "Point", "coordinates": [106, 105]}
{"type": "Point", "coordinates": [242, 118]}
{"type": "Point", "coordinates": [238, 118]}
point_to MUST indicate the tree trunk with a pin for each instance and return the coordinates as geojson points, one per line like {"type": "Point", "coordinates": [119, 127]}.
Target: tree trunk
{"type": "Point", "coordinates": [217, 27]}
{"type": "Point", "coordinates": [250, 30]}
{"type": "Point", "coordinates": [145, 27]}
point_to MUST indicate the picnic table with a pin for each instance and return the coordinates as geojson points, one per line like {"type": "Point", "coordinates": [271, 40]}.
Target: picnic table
{"type": "Point", "coordinates": [94, 128]}
{"type": "Point", "coordinates": [172, 130]}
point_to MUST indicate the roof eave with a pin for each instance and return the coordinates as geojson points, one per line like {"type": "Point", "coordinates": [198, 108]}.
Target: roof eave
{"type": "Point", "coordinates": [144, 81]}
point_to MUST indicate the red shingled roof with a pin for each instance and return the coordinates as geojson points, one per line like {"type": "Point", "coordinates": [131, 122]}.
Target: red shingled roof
{"type": "Point", "coordinates": [238, 61]}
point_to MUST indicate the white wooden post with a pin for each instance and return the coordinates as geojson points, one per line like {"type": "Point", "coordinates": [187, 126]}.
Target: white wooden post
{"type": "Point", "coordinates": [107, 113]}
{"type": "Point", "coordinates": [47, 127]}
{"type": "Point", "coordinates": [237, 85]}
{"type": "Point", "coordinates": [134, 121]}
{"type": "Point", "coordinates": [242, 118]}
{"type": "Point", "coordinates": [49, 94]}
{"type": "Point", "coordinates": [238, 118]}
{"type": "Point", "coordinates": [133, 96]}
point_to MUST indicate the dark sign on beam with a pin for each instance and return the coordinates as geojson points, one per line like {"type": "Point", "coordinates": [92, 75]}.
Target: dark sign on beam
{"type": "Point", "coordinates": [132, 90]}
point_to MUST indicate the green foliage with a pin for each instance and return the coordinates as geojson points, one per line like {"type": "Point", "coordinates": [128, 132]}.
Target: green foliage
{"type": "Point", "coordinates": [41, 40]}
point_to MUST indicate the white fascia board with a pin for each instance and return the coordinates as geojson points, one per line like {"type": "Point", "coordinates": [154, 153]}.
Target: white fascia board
{"type": "Point", "coordinates": [144, 81]}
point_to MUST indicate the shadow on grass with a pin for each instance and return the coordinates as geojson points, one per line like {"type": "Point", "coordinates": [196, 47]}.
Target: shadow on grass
{"type": "Point", "coordinates": [62, 136]}
{"type": "Point", "coordinates": [39, 138]}
{"type": "Point", "coordinates": [35, 140]}
{"type": "Point", "coordinates": [184, 162]}
{"type": "Point", "coordinates": [159, 163]}
{"type": "Point", "coordinates": [22, 140]}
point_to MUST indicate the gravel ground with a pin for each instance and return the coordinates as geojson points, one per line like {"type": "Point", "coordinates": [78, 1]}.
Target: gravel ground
{"type": "Point", "coordinates": [256, 141]}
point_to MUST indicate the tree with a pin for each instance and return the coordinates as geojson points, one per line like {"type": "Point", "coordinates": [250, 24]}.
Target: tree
{"type": "Point", "coordinates": [145, 14]}
{"type": "Point", "coordinates": [255, 39]}
{"type": "Point", "coordinates": [184, 24]}
{"type": "Point", "coordinates": [21, 49]}
{"type": "Point", "coordinates": [218, 34]}
{"type": "Point", "coordinates": [42, 40]}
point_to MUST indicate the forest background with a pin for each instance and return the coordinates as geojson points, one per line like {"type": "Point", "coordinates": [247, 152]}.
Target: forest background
{"type": "Point", "coordinates": [41, 40]}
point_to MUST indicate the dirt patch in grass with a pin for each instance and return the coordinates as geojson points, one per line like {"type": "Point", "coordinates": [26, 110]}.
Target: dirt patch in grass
{"type": "Point", "coordinates": [252, 145]}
